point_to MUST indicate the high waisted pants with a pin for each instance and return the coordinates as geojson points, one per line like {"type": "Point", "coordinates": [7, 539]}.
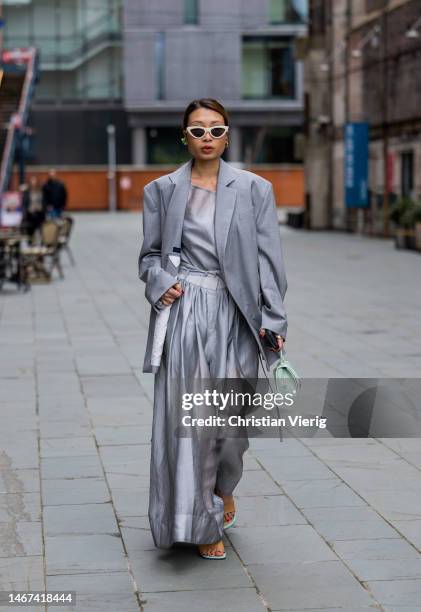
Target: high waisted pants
{"type": "Point", "coordinates": [207, 337]}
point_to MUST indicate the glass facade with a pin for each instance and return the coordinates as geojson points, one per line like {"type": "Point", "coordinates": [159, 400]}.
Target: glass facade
{"type": "Point", "coordinates": [288, 11]}
{"type": "Point", "coordinates": [268, 68]}
{"type": "Point", "coordinates": [190, 12]}
{"type": "Point", "coordinates": [164, 146]}
{"type": "Point", "coordinates": [271, 144]}
{"type": "Point", "coordinates": [79, 42]}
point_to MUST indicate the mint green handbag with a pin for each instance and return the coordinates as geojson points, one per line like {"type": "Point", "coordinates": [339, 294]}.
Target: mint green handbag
{"type": "Point", "coordinates": [286, 377]}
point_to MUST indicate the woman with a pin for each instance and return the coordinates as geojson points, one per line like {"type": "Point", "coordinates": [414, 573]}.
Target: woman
{"type": "Point", "coordinates": [231, 284]}
{"type": "Point", "coordinates": [34, 211]}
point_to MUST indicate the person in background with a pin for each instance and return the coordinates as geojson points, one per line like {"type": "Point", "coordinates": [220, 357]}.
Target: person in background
{"type": "Point", "coordinates": [34, 210]}
{"type": "Point", "coordinates": [54, 195]}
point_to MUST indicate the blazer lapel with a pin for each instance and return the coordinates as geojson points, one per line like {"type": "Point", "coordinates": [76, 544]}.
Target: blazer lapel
{"type": "Point", "coordinates": [176, 208]}
{"type": "Point", "coordinates": [225, 202]}
{"type": "Point", "coordinates": [226, 198]}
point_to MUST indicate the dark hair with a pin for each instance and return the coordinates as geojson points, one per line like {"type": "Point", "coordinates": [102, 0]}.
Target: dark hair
{"type": "Point", "coordinates": [204, 103]}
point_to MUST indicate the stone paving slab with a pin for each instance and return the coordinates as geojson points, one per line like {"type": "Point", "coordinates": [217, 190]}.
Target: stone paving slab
{"type": "Point", "coordinates": [397, 594]}
{"type": "Point", "coordinates": [323, 523]}
{"type": "Point", "coordinates": [80, 519]}
{"type": "Point", "coordinates": [301, 468]}
{"type": "Point", "coordinates": [68, 447]}
{"type": "Point", "coordinates": [19, 481]}
{"type": "Point", "coordinates": [322, 493]}
{"type": "Point", "coordinates": [182, 569]}
{"type": "Point", "coordinates": [267, 510]}
{"type": "Point", "coordinates": [77, 553]}
{"type": "Point", "coordinates": [411, 530]}
{"type": "Point", "coordinates": [359, 525]}
{"type": "Point", "coordinates": [20, 539]}
{"type": "Point", "coordinates": [235, 600]}
{"type": "Point", "coordinates": [77, 467]}
{"type": "Point", "coordinates": [20, 507]}
{"type": "Point", "coordinates": [107, 435]}
{"type": "Point", "coordinates": [20, 573]}
{"type": "Point", "coordinates": [325, 584]}
{"type": "Point", "coordinates": [97, 592]}
{"type": "Point", "coordinates": [63, 491]}
{"type": "Point", "coordinates": [266, 545]}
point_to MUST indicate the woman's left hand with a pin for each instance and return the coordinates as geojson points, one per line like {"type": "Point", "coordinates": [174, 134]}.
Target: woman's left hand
{"type": "Point", "coordinates": [278, 337]}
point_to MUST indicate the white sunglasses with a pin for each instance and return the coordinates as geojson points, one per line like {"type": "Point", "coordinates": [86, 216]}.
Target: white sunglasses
{"type": "Point", "coordinates": [216, 131]}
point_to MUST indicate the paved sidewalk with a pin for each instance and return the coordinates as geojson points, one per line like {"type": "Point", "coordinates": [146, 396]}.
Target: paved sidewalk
{"type": "Point", "coordinates": [327, 524]}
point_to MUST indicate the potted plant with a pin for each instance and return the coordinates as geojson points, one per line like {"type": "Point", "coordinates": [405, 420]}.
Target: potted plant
{"type": "Point", "coordinates": [403, 214]}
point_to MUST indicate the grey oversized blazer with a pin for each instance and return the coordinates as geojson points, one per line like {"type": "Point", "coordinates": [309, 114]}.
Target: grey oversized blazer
{"type": "Point", "coordinates": [248, 245]}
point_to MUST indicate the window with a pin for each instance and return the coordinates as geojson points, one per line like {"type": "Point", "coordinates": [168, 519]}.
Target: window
{"type": "Point", "coordinates": [269, 145]}
{"type": "Point", "coordinates": [80, 48]}
{"type": "Point", "coordinates": [159, 65]}
{"type": "Point", "coordinates": [407, 173]}
{"type": "Point", "coordinates": [288, 11]}
{"type": "Point", "coordinates": [268, 68]}
{"type": "Point", "coordinates": [190, 11]}
{"type": "Point", "coordinates": [163, 146]}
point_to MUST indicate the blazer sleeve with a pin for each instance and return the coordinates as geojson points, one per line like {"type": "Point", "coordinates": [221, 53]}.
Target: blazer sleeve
{"type": "Point", "coordinates": [156, 278]}
{"type": "Point", "coordinates": [273, 281]}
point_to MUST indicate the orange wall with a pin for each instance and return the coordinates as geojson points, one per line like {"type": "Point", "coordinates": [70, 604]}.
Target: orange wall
{"type": "Point", "coordinates": [288, 184]}
{"type": "Point", "coordinates": [88, 186]}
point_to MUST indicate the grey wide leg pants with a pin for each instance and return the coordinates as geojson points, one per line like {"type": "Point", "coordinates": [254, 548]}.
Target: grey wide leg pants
{"type": "Point", "coordinates": [207, 337]}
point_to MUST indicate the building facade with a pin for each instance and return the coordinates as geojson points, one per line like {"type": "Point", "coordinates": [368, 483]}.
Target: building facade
{"type": "Point", "coordinates": [362, 63]}
{"type": "Point", "coordinates": [80, 90]}
{"type": "Point", "coordinates": [240, 52]}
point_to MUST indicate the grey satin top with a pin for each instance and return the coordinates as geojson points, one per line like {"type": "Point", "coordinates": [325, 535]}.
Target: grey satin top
{"type": "Point", "coordinates": [198, 247]}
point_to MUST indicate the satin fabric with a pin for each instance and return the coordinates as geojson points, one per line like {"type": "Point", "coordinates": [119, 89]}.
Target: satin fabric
{"type": "Point", "coordinates": [198, 235]}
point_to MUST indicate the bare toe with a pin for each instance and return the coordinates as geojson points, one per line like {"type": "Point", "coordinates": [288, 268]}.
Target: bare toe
{"type": "Point", "coordinates": [214, 550]}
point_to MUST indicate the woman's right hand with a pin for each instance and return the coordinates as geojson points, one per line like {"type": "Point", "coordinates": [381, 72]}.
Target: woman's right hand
{"type": "Point", "coordinates": [173, 293]}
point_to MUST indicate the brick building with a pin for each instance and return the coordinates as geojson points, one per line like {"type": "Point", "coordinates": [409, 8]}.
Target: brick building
{"type": "Point", "coordinates": [362, 65]}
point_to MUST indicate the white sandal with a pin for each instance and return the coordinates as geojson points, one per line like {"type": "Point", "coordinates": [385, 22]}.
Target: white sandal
{"type": "Point", "coordinates": [204, 556]}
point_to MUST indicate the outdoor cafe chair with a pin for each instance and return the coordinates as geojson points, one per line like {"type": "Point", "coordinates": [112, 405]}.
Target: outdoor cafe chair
{"type": "Point", "coordinates": [12, 269]}
{"type": "Point", "coordinates": [36, 256]}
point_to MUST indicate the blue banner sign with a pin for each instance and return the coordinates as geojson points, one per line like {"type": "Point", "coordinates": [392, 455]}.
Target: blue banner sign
{"type": "Point", "coordinates": [356, 165]}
